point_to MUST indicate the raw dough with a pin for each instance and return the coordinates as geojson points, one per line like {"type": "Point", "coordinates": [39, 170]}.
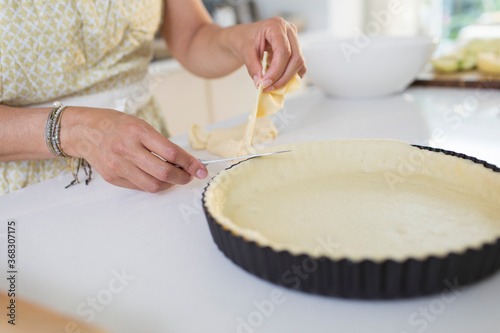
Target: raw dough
{"type": "Point", "coordinates": [359, 199]}
{"type": "Point", "coordinates": [239, 140]}
{"type": "Point", "coordinates": [265, 105]}
{"type": "Point", "coordinates": [226, 142]}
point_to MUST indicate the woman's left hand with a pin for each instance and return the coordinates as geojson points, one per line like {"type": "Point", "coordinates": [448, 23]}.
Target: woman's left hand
{"type": "Point", "coordinates": [279, 38]}
{"type": "Point", "coordinates": [210, 51]}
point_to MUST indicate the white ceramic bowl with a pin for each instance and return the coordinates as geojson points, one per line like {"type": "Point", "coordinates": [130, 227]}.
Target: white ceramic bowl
{"type": "Point", "coordinates": [364, 67]}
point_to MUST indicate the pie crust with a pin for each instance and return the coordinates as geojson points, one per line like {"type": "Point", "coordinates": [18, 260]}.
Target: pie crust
{"type": "Point", "coordinates": [359, 201]}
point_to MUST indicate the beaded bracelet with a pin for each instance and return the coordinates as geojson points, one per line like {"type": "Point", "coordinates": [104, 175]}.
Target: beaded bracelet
{"type": "Point", "coordinates": [53, 130]}
{"type": "Point", "coordinates": [53, 140]}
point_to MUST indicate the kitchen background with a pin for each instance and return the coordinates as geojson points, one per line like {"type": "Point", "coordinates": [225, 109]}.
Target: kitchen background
{"type": "Point", "coordinates": [186, 99]}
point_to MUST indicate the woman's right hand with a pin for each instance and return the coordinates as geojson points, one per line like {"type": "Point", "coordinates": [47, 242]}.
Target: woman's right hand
{"type": "Point", "coordinates": [119, 147]}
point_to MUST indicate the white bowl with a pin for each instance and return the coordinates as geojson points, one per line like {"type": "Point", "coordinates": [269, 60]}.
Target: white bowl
{"type": "Point", "coordinates": [365, 67]}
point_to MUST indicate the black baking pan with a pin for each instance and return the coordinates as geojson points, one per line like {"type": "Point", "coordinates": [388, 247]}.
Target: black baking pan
{"type": "Point", "coordinates": [365, 279]}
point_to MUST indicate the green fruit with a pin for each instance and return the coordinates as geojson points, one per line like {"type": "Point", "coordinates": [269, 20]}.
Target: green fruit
{"type": "Point", "coordinates": [467, 58]}
{"type": "Point", "coordinates": [447, 64]}
{"type": "Point", "coordinates": [476, 46]}
{"type": "Point", "coordinates": [468, 62]}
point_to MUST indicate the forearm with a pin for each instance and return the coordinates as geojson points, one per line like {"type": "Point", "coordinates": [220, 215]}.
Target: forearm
{"type": "Point", "coordinates": [22, 133]}
{"type": "Point", "coordinates": [196, 42]}
{"type": "Point", "coordinates": [211, 52]}
{"type": "Point", "coordinates": [116, 144]}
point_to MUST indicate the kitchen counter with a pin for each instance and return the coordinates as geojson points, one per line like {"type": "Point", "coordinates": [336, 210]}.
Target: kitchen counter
{"type": "Point", "coordinates": [137, 262]}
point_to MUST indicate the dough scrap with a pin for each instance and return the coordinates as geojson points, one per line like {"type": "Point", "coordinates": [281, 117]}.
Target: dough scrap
{"type": "Point", "coordinates": [239, 140]}
{"type": "Point", "coordinates": [226, 142]}
{"type": "Point", "coordinates": [198, 137]}
{"type": "Point", "coordinates": [266, 104]}
{"type": "Point", "coordinates": [273, 101]}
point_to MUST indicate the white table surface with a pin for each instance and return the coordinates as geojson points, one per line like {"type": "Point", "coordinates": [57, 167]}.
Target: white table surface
{"type": "Point", "coordinates": [71, 242]}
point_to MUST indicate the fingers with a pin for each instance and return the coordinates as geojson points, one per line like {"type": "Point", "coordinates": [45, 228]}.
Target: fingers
{"type": "Point", "coordinates": [138, 180]}
{"type": "Point", "coordinates": [129, 174]}
{"type": "Point", "coordinates": [161, 170]}
{"type": "Point", "coordinates": [293, 65]}
{"type": "Point", "coordinates": [122, 182]}
{"type": "Point", "coordinates": [121, 153]}
{"type": "Point", "coordinates": [174, 154]}
{"type": "Point", "coordinates": [277, 37]}
{"type": "Point", "coordinates": [147, 182]}
{"type": "Point", "coordinates": [254, 61]}
{"type": "Point", "coordinates": [287, 57]}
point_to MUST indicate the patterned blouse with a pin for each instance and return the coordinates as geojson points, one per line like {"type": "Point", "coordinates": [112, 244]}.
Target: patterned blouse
{"type": "Point", "coordinates": [50, 49]}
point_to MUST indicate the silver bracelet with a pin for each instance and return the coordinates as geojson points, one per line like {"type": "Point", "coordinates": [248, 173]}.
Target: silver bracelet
{"type": "Point", "coordinates": [53, 140]}
{"type": "Point", "coordinates": [53, 130]}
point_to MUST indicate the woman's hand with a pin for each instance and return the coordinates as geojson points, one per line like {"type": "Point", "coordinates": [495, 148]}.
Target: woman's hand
{"type": "Point", "coordinates": [211, 51]}
{"type": "Point", "coordinates": [279, 38]}
{"type": "Point", "coordinates": [119, 147]}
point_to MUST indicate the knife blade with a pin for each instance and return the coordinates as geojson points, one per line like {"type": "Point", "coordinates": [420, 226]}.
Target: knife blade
{"type": "Point", "coordinates": [243, 157]}
{"type": "Point", "coordinates": [229, 159]}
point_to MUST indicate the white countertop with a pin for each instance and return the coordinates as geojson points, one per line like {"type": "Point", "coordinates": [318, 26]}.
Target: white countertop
{"type": "Point", "coordinates": [72, 243]}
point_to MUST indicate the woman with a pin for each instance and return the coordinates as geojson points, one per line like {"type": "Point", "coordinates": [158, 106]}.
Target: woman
{"type": "Point", "coordinates": [91, 54]}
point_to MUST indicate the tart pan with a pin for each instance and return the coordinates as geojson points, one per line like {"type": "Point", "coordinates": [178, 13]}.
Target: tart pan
{"type": "Point", "coordinates": [365, 279]}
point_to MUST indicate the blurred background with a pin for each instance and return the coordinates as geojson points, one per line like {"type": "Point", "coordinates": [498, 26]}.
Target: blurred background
{"type": "Point", "coordinates": [455, 22]}
{"type": "Point", "coordinates": [441, 18]}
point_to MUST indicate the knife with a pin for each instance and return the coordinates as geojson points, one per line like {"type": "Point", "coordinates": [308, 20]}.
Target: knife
{"type": "Point", "coordinates": [243, 157]}
{"type": "Point", "coordinates": [229, 159]}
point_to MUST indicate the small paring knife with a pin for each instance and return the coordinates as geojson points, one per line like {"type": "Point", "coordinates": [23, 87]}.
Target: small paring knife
{"type": "Point", "coordinates": [243, 157]}
{"type": "Point", "coordinates": [231, 158]}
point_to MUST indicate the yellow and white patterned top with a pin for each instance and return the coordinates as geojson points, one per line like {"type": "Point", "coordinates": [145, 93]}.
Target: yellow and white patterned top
{"type": "Point", "coordinates": [51, 49]}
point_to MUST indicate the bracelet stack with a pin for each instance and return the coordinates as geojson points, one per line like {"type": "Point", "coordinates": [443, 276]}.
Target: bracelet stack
{"type": "Point", "coordinates": [53, 130]}
{"type": "Point", "coordinates": [53, 140]}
